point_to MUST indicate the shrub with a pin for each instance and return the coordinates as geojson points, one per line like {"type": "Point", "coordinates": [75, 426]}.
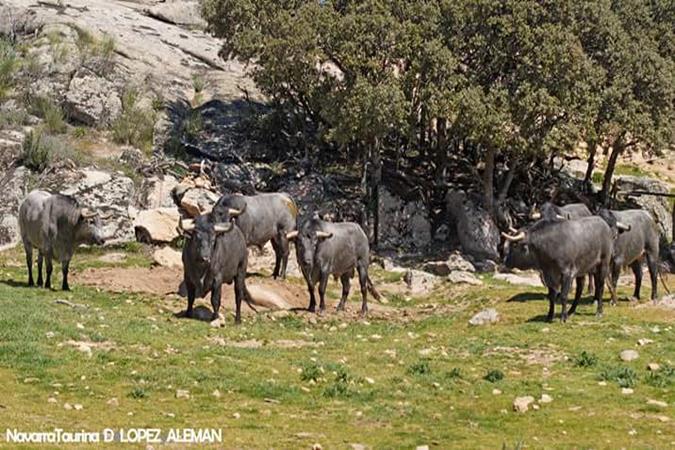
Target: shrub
{"type": "Point", "coordinates": [586, 359]}
{"type": "Point", "coordinates": [310, 372]}
{"type": "Point", "coordinates": [50, 112]}
{"type": "Point", "coordinates": [662, 378]}
{"type": "Point", "coordinates": [135, 125]}
{"type": "Point", "coordinates": [36, 151]}
{"type": "Point", "coordinates": [138, 393]}
{"type": "Point", "coordinates": [494, 375]}
{"type": "Point", "coordinates": [8, 66]}
{"type": "Point", "coordinates": [420, 368]}
{"type": "Point", "coordinates": [623, 376]}
{"type": "Point", "coordinates": [340, 385]}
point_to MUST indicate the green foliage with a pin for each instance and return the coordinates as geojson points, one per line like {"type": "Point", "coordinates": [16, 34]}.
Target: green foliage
{"type": "Point", "coordinates": [622, 375]}
{"type": "Point", "coordinates": [135, 125]}
{"type": "Point", "coordinates": [37, 151]}
{"type": "Point", "coordinates": [494, 375]}
{"type": "Point", "coordinates": [311, 371]}
{"type": "Point", "coordinates": [52, 114]}
{"type": "Point", "coordinates": [421, 367]}
{"type": "Point", "coordinates": [586, 359]}
{"type": "Point", "coordinates": [8, 66]}
{"type": "Point", "coordinates": [138, 393]}
{"type": "Point", "coordinates": [340, 385]}
{"type": "Point", "coordinates": [662, 378]}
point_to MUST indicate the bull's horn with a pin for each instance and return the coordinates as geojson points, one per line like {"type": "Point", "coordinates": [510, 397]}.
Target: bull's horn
{"type": "Point", "coordinates": [323, 234]}
{"type": "Point", "coordinates": [623, 227]}
{"type": "Point", "coordinates": [559, 217]}
{"type": "Point", "coordinates": [519, 237]}
{"type": "Point", "coordinates": [235, 212]}
{"type": "Point", "coordinates": [88, 214]}
{"type": "Point", "coordinates": [292, 235]}
{"type": "Point", "coordinates": [535, 216]}
{"type": "Point", "coordinates": [222, 228]}
{"type": "Point", "coordinates": [187, 225]}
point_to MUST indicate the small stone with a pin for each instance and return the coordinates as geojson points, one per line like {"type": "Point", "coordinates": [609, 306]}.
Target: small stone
{"type": "Point", "coordinates": [113, 402]}
{"type": "Point", "coordinates": [78, 407]}
{"type": "Point", "coordinates": [80, 326]}
{"type": "Point", "coordinates": [51, 400]}
{"type": "Point", "coordinates": [317, 447]}
{"type": "Point", "coordinates": [535, 407]}
{"type": "Point", "coordinates": [663, 419]}
{"type": "Point", "coordinates": [632, 432]}
{"type": "Point", "coordinates": [484, 317]}
{"type": "Point", "coordinates": [602, 383]}
{"type": "Point", "coordinates": [422, 447]}
{"type": "Point", "coordinates": [545, 398]}
{"type": "Point", "coordinates": [30, 380]}
{"type": "Point", "coordinates": [645, 341]}
{"type": "Point", "coordinates": [376, 337]}
{"type": "Point", "coordinates": [67, 406]}
{"type": "Point", "coordinates": [370, 380]}
{"type": "Point", "coordinates": [182, 394]}
{"type": "Point", "coordinates": [50, 334]}
{"type": "Point", "coordinates": [659, 403]}
{"type": "Point", "coordinates": [236, 415]}
{"type": "Point", "coordinates": [653, 367]}
{"type": "Point", "coordinates": [496, 392]}
{"type": "Point", "coordinates": [357, 446]}
{"type": "Point", "coordinates": [216, 393]}
{"type": "Point", "coordinates": [522, 404]}
{"type": "Point", "coordinates": [218, 323]}
{"type": "Point", "coordinates": [545, 330]}
{"type": "Point", "coordinates": [629, 355]}
{"type": "Point", "coordinates": [359, 414]}
{"type": "Point", "coordinates": [627, 391]}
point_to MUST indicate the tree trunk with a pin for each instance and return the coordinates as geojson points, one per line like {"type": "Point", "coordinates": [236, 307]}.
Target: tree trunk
{"type": "Point", "coordinates": [488, 181]}
{"type": "Point", "coordinates": [441, 149]}
{"type": "Point", "coordinates": [510, 176]}
{"type": "Point", "coordinates": [588, 178]}
{"type": "Point", "coordinates": [617, 149]}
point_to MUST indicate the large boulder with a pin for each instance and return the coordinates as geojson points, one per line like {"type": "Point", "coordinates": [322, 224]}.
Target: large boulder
{"type": "Point", "coordinates": [156, 226]}
{"type": "Point", "coordinates": [659, 207]}
{"type": "Point", "coordinates": [198, 201]}
{"type": "Point", "coordinates": [92, 100]}
{"type": "Point", "coordinates": [178, 12]}
{"type": "Point", "coordinates": [403, 224]}
{"type": "Point", "coordinates": [156, 192]}
{"type": "Point", "coordinates": [476, 230]}
{"type": "Point", "coordinates": [14, 186]}
{"type": "Point", "coordinates": [109, 193]}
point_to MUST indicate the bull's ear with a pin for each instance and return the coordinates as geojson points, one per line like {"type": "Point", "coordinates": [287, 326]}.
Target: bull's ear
{"type": "Point", "coordinates": [324, 235]}
{"type": "Point", "coordinates": [223, 227]}
{"type": "Point", "coordinates": [292, 235]}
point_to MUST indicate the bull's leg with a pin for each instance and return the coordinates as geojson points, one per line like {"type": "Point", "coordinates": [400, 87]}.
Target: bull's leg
{"type": "Point", "coordinates": [216, 289]}
{"type": "Point", "coordinates": [323, 283]}
{"type": "Point", "coordinates": [285, 251]}
{"type": "Point", "coordinates": [615, 270]}
{"type": "Point", "coordinates": [277, 257]}
{"type": "Point", "coordinates": [239, 294]}
{"type": "Point", "coordinates": [577, 295]}
{"type": "Point", "coordinates": [591, 284]}
{"type": "Point", "coordinates": [345, 279]}
{"type": "Point", "coordinates": [653, 265]}
{"type": "Point", "coordinates": [552, 295]}
{"type": "Point", "coordinates": [64, 271]}
{"type": "Point", "coordinates": [29, 262]}
{"type": "Point", "coordinates": [40, 258]}
{"type": "Point", "coordinates": [600, 277]}
{"type": "Point", "coordinates": [312, 297]}
{"type": "Point", "coordinates": [191, 291]}
{"type": "Point", "coordinates": [564, 292]}
{"type": "Point", "coordinates": [50, 268]}
{"type": "Point", "coordinates": [637, 271]}
{"type": "Point", "coordinates": [363, 281]}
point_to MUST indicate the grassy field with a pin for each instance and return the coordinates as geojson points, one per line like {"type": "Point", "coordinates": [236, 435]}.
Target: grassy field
{"type": "Point", "coordinates": [421, 376]}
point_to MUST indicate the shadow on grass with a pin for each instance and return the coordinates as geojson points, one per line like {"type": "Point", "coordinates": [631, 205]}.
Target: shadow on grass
{"type": "Point", "coordinates": [17, 284]}
{"type": "Point", "coordinates": [527, 296]}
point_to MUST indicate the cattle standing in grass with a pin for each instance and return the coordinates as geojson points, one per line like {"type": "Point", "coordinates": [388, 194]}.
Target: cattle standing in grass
{"type": "Point", "coordinates": [264, 218]}
{"type": "Point", "coordinates": [642, 240]}
{"type": "Point", "coordinates": [215, 253]}
{"type": "Point", "coordinates": [569, 249]}
{"type": "Point", "coordinates": [55, 225]}
{"type": "Point", "coordinates": [337, 249]}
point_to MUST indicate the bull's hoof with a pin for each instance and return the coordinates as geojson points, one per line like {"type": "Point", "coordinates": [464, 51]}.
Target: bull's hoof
{"type": "Point", "coordinates": [187, 314]}
{"type": "Point", "coordinates": [31, 283]}
{"type": "Point", "coordinates": [311, 309]}
{"type": "Point", "coordinates": [65, 288]}
{"type": "Point", "coordinates": [599, 315]}
{"type": "Point", "coordinates": [549, 319]}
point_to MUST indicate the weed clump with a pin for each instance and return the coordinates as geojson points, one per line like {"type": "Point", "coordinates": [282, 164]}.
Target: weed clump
{"type": "Point", "coordinates": [586, 359]}
{"type": "Point", "coordinates": [494, 375]}
{"type": "Point", "coordinates": [625, 377]}
{"type": "Point", "coordinates": [420, 368]}
{"type": "Point", "coordinates": [135, 125]}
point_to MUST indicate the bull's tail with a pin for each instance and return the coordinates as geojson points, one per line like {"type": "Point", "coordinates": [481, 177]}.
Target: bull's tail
{"type": "Point", "coordinates": [371, 288]}
{"type": "Point", "coordinates": [663, 282]}
{"type": "Point", "coordinates": [249, 299]}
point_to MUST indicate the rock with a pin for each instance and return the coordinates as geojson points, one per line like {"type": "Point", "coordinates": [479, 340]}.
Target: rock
{"type": "Point", "coordinates": [532, 280]}
{"type": "Point", "coordinates": [574, 168]}
{"type": "Point", "coordinates": [109, 193]}
{"type": "Point", "coordinates": [156, 192]}
{"type": "Point", "coordinates": [317, 447]}
{"type": "Point", "coordinates": [629, 355]}
{"type": "Point", "coordinates": [420, 282]}
{"type": "Point", "coordinates": [184, 13]}
{"type": "Point", "coordinates": [659, 403]}
{"type": "Point", "coordinates": [157, 225]}
{"type": "Point", "coordinates": [422, 447]}
{"type": "Point", "coordinates": [485, 317]}
{"type": "Point", "coordinates": [357, 447]}
{"type": "Point", "coordinates": [182, 394]}
{"type": "Point", "coordinates": [486, 266]}
{"type": "Point", "coordinates": [545, 398]}
{"type": "Point", "coordinates": [496, 392]}
{"type": "Point", "coordinates": [653, 367]}
{"type": "Point", "coordinates": [113, 402]}
{"type": "Point", "coordinates": [459, 277]}
{"type": "Point", "coordinates": [216, 394]}
{"type": "Point", "coordinates": [167, 257]}
{"type": "Point", "coordinates": [14, 189]}
{"type": "Point", "coordinates": [644, 341]}
{"type": "Point", "coordinates": [92, 100]}
{"type": "Point", "coordinates": [455, 262]}
{"type": "Point", "coordinates": [659, 207]}
{"type": "Point", "coordinates": [67, 406]}
{"type": "Point", "coordinates": [404, 224]}
{"type": "Point", "coordinates": [476, 231]}
{"type": "Point", "coordinates": [16, 21]}
{"type": "Point", "coordinates": [522, 404]}
{"type": "Point", "coordinates": [627, 391]}
{"type": "Point", "coordinates": [198, 201]}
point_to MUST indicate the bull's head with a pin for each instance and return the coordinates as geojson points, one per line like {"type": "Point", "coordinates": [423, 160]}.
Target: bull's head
{"type": "Point", "coordinates": [202, 235]}
{"type": "Point", "coordinates": [616, 226]}
{"type": "Point", "coordinates": [88, 228]}
{"type": "Point", "coordinates": [306, 241]}
{"type": "Point", "coordinates": [516, 252]}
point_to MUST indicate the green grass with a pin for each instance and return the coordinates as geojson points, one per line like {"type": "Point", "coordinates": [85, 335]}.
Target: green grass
{"type": "Point", "coordinates": [9, 63]}
{"type": "Point", "coordinates": [427, 379]}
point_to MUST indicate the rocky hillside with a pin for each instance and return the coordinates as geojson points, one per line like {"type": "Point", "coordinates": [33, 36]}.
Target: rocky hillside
{"type": "Point", "coordinates": [128, 106]}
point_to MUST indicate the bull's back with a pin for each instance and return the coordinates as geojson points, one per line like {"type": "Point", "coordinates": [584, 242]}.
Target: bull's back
{"type": "Point", "coordinates": [266, 215]}
{"type": "Point", "coordinates": [643, 235]}
{"type": "Point", "coordinates": [576, 211]}
{"type": "Point", "coordinates": [347, 246]}
{"type": "Point", "coordinates": [32, 216]}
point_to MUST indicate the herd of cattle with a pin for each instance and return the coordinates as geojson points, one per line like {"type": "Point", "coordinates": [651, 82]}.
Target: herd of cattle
{"type": "Point", "coordinates": [564, 243]}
